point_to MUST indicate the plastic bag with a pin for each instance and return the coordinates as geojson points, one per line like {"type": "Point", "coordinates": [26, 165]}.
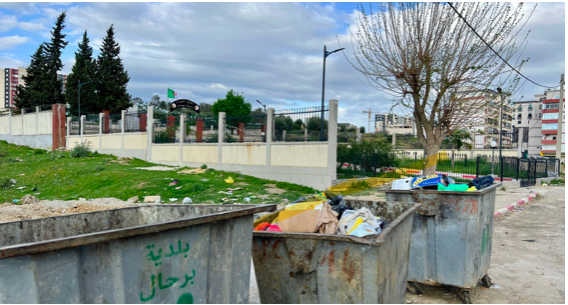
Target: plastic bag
{"type": "Point", "coordinates": [453, 187]}
{"type": "Point", "coordinates": [481, 182]}
{"type": "Point", "coordinates": [348, 220]}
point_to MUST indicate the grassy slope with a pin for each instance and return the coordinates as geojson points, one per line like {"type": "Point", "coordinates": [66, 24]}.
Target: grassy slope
{"type": "Point", "coordinates": [57, 176]}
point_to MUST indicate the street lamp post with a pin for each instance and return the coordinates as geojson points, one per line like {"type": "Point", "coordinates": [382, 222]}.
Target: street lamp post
{"type": "Point", "coordinates": [493, 145]}
{"type": "Point", "coordinates": [325, 55]}
{"type": "Point", "coordinates": [501, 124]}
{"type": "Point", "coordinates": [79, 95]}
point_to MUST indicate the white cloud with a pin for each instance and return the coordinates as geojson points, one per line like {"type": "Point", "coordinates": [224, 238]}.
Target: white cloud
{"type": "Point", "coordinates": [7, 23]}
{"type": "Point", "coordinates": [11, 42]}
{"type": "Point", "coordinates": [31, 26]}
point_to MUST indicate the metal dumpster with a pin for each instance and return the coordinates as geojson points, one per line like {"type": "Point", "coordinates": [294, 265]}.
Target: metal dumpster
{"type": "Point", "coordinates": [145, 254]}
{"type": "Point", "coordinates": [452, 235]}
{"type": "Point", "coordinates": [320, 268]}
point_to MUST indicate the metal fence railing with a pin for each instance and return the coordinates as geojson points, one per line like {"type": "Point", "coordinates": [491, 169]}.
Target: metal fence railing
{"type": "Point", "coordinates": [460, 166]}
{"type": "Point", "coordinates": [246, 129]}
{"type": "Point", "coordinates": [303, 124]}
{"type": "Point", "coordinates": [201, 130]}
{"type": "Point", "coordinates": [45, 107]}
{"type": "Point", "coordinates": [168, 132]}
{"type": "Point", "coordinates": [135, 122]}
{"type": "Point", "coordinates": [92, 123]}
{"type": "Point", "coordinates": [114, 122]}
{"type": "Point", "coordinates": [74, 126]}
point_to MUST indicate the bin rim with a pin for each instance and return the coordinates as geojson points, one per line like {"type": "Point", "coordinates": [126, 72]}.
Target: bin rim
{"type": "Point", "coordinates": [375, 241]}
{"type": "Point", "coordinates": [103, 236]}
{"type": "Point", "coordinates": [427, 191]}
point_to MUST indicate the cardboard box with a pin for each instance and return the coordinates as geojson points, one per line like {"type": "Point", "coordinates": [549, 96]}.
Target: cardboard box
{"type": "Point", "coordinates": [299, 221]}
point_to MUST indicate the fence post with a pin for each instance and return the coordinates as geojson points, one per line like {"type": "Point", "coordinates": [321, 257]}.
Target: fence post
{"type": "Point", "coordinates": [332, 140]}
{"type": "Point", "coordinates": [37, 120]}
{"type": "Point", "coordinates": [534, 171]}
{"type": "Point", "coordinates": [220, 136]}
{"type": "Point", "coordinates": [546, 168]}
{"type": "Point", "coordinates": [199, 130]}
{"type": "Point", "coordinates": [69, 126]}
{"type": "Point", "coordinates": [122, 130]}
{"type": "Point", "coordinates": [182, 129]}
{"type": "Point", "coordinates": [269, 132]}
{"type": "Point", "coordinates": [107, 121]}
{"type": "Point", "coordinates": [82, 126]}
{"type": "Point", "coordinates": [241, 131]}
{"type": "Point", "coordinates": [101, 118]}
{"type": "Point", "coordinates": [477, 167]}
{"type": "Point", "coordinates": [149, 132]}
{"type": "Point", "coordinates": [143, 117]}
{"type": "Point", "coordinates": [518, 167]}
{"type": "Point", "coordinates": [501, 168]}
{"type": "Point", "coordinates": [305, 134]}
{"type": "Point", "coordinates": [465, 155]}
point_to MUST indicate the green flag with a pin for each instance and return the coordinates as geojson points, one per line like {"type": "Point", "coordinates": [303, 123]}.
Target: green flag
{"type": "Point", "coordinates": [172, 93]}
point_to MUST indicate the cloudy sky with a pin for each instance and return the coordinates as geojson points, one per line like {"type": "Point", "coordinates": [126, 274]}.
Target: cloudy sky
{"type": "Point", "coordinates": [271, 52]}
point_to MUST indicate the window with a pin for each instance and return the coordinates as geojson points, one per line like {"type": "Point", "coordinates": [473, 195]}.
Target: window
{"type": "Point", "coordinates": [554, 138]}
{"type": "Point", "coordinates": [530, 108]}
{"type": "Point", "coordinates": [520, 108]}
{"type": "Point", "coordinates": [540, 106]}
{"type": "Point", "coordinates": [519, 116]}
{"type": "Point", "coordinates": [550, 116]}
{"type": "Point", "coordinates": [529, 116]}
{"type": "Point", "coordinates": [519, 122]}
{"type": "Point", "coordinates": [550, 126]}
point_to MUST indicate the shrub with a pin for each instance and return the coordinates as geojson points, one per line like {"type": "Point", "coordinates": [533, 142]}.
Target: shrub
{"type": "Point", "coordinates": [4, 183]}
{"type": "Point", "coordinates": [362, 154]}
{"type": "Point", "coordinates": [81, 150]}
{"type": "Point", "coordinates": [204, 166]}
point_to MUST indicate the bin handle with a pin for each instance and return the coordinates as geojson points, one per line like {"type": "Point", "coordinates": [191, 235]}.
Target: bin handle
{"type": "Point", "coordinates": [296, 270]}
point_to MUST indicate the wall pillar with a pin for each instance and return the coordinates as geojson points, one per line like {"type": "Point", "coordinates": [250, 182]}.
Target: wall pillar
{"type": "Point", "coordinates": [122, 130]}
{"type": "Point", "coordinates": [101, 119]}
{"type": "Point", "coordinates": [199, 131]}
{"type": "Point", "coordinates": [181, 137]}
{"type": "Point", "coordinates": [149, 132]}
{"type": "Point", "coordinates": [241, 131]}
{"type": "Point", "coordinates": [37, 120]}
{"type": "Point", "coordinates": [10, 121]}
{"type": "Point", "coordinates": [58, 124]}
{"type": "Point", "coordinates": [143, 122]}
{"type": "Point", "coordinates": [107, 121]}
{"type": "Point", "coordinates": [220, 136]}
{"type": "Point", "coordinates": [332, 139]}
{"type": "Point", "coordinates": [82, 127]}
{"type": "Point", "coordinates": [357, 134]}
{"type": "Point", "coordinates": [269, 133]}
{"type": "Point", "coordinates": [171, 127]}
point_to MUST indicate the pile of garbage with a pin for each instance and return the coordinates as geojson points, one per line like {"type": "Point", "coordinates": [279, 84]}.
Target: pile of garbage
{"type": "Point", "coordinates": [324, 213]}
{"type": "Point", "coordinates": [441, 182]}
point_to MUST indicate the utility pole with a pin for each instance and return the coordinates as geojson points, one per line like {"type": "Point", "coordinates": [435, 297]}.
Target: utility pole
{"type": "Point", "coordinates": [501, 125]}
{"type": "Point", "coordinates": [560, 116]}
{"type": "Point", "coordinates": [369, 112]}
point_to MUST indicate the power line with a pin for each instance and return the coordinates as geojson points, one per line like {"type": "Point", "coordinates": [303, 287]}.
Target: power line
{"type": "Point", "coordinates": [455, 10]}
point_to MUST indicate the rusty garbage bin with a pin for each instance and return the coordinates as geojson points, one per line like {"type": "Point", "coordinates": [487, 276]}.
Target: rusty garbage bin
{"type": "Point", "coordinates": [452, 235]}
{"type": "Point", "coordinates": [307, 268]}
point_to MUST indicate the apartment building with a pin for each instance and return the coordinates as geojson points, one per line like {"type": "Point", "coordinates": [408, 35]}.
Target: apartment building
{"type": "Point", "coordinates": [484, 120]}
{"type": "Point", "coordinates": [528, 116]}
{"type": "Point", "coordinates": [390, 123]}
{"type": "Point", "coordinates": [550, 135]}
{"type": "Point", "coordinates": [9, 79]}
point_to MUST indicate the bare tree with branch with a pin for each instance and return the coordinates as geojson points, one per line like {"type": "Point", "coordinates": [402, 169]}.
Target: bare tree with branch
{"type": "Point", "coordinates": [425, 56]}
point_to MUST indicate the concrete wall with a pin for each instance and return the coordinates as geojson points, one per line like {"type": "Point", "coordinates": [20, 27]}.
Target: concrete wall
{"type": "Point", "coordinates": [32, 129]}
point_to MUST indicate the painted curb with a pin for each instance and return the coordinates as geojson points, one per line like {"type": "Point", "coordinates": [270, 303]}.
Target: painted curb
{"type": "Point", "coordinates": [515, 205]}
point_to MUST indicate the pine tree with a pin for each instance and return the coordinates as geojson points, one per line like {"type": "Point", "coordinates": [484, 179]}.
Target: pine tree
{"type": "Point", "coordinates": [84, 71]}
{"type": "Point", "coordinates": [53, 51]}
{"type": "Point", "coordinates": [111, 77]}
{"type": "Point", "coordinates": [32, 94]}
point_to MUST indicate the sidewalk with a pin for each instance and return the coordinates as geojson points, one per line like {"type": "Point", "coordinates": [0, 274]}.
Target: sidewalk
{"type": "Point", "coordinates": [512, 196]}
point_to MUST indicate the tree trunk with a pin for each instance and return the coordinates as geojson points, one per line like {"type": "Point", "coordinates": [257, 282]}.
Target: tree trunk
{"type": "Point", "coordinates": [431, 158]}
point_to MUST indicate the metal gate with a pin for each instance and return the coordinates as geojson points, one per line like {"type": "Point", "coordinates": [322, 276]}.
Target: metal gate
{"type": "Point", "coordinates": [528, 170]}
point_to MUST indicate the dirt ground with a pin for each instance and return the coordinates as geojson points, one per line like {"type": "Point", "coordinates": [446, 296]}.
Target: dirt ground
{"type": "Point", "coordinates": [46, 208]}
